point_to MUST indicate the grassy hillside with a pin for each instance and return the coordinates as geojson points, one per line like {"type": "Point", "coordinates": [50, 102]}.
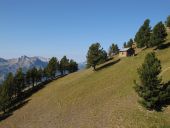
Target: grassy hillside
{"type": "Point", "coordinates": [87, 99]}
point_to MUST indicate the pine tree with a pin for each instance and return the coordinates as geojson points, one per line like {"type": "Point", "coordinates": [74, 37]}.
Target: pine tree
{"type": "Point", "coordinates": [130, 43]}
{"type": "Point", "coordinates": [113, 50]}
{"type": "Point", "coordinates": [73, 66]}
{"type": "Point", "coordinates": [19, 81]}
{"type": "Point", "coordinates": [158, 35]}
{"type": "Point", "coordinates": [102, 56]}
{"type": "Point", "coordinates": [4, 99]}
{"type": "Point", "coordinates": [6, 92]}
{"type": "Point", "coordinates": [168, 21]}
{"type": "Point", "coordinates": [34, 74]}
{"type": "Point", "coordinates": [52, 67]}
{"type": "Point", "coordinates": [96, 55]}
{"type": "Point", "coordinates": [28, 77]}
{"type": "Point", "coordinates": [9, 83]}
{"type": "Point", "coordinates": [150, 88]}
{"type": "Point", "coordinates": [142, 37]}
{"type": "Point", "coordinates": [40, 75]}
{"type": "Point", "coordinates": [45, 73]}
{"type": "Point", "coordinates": [64, 65]}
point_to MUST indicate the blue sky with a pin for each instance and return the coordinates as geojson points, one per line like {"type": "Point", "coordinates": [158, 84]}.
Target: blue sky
{"type": "Point", "coordinates": [68, 27]}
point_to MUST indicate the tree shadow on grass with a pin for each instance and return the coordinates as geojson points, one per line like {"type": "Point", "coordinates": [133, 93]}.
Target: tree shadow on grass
{"type": "Point", "coordinates": [14, 108]}
{"type": "Point", "coordinates": [19, 105]}
{"type": "Point", "coordinates": [107, 65]}
{"type": "Point", "coordinates": [4, 116]}
{"type": "Point", "coordinates": [166, 100]}
{"type": "Point", "coordinates": [163, 46]}
{"type": "Point", "coordinates": [27, 93]}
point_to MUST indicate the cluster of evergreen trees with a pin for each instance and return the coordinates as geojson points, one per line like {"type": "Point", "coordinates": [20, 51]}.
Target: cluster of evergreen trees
{"type": "Point", "coordinates": [167, 22]}
{"type": "Point", "coordinates": [147, 37]}
{"type": "Point", "coordinates": [128, 44]}
{"type": "Point", "coordinates": [113, 50]}
{"type": "Point", "coordinates": [14, 86]}
{"type": "Point", "coordinates": [97, 55]}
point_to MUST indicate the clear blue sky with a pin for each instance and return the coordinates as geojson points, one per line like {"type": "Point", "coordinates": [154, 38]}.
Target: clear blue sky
{"type": "Point", "coordinates": [68, 27]}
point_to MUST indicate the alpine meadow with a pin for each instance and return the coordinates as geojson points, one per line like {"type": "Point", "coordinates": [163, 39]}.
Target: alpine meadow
{"type": "Point", "coordinates": [89, 99]}
{"type": "Point", "coordinates": [126, 87]}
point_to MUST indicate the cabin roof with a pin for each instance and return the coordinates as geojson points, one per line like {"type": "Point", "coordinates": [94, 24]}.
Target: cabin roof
{"type": "Point", "coordinates": [124, 49]}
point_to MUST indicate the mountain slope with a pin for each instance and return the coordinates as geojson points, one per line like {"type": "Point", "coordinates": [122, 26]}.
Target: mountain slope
{"type": "Point", "coordinates": [88, 99]}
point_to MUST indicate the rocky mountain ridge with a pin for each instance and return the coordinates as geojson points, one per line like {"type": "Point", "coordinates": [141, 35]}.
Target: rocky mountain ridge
{"type": "Point", "coordinates": [24, 62]}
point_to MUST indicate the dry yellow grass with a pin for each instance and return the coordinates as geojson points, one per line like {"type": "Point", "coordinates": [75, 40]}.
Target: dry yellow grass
{"type": "Point", "coordinates": [87, 99]}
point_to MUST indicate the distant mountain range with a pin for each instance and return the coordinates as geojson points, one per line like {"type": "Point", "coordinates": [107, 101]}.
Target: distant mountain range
{"type": "Point", "coordinates": [24, 62]}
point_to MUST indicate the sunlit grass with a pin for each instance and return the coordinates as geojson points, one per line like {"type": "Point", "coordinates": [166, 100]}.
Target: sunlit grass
{"type": "Point", "coordinates": [87, 99]}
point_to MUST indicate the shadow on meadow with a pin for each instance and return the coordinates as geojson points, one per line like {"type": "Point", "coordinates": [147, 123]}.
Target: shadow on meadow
{"type": "Point", "coordinates": [163, 46]}
{"type": "Point", "coordinates": [166, 98]}
{"type": "Point", "coordinates": [10, 112]}
{"type": "Point", "coordinates": [107, 65]}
